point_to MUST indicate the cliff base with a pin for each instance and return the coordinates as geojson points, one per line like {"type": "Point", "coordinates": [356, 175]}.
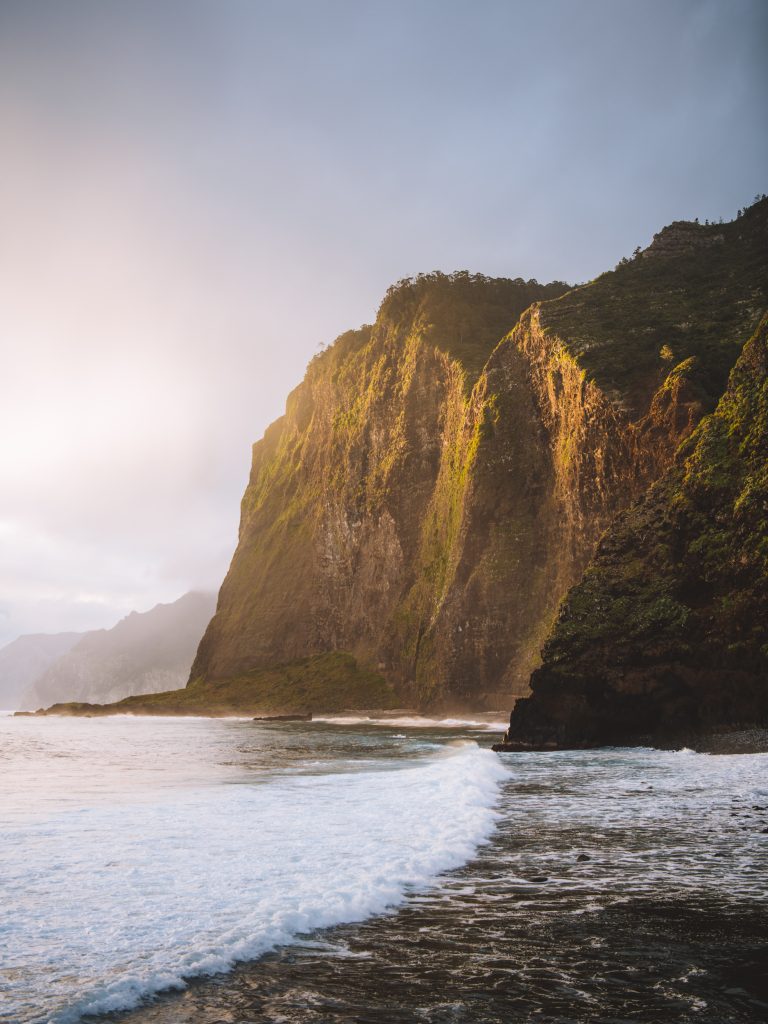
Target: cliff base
{"type": "Point", "coordinates": [324, 683]}
{"type": "Point", "coordinates": [733, 741]}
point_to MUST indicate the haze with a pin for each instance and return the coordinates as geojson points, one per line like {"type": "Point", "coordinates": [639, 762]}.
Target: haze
{"type": "Point", "coordinates": [196, 195]}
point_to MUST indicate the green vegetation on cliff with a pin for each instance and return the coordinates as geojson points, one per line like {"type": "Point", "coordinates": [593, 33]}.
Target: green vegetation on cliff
{"type": "Point", "coordinates": [463, 314]}
{"type": "Point", "coordinates": [696, 291]}
{"type": "Point", "coordinates": [667, 634]}
{"type": "Point", "coordinates": [353, 513]}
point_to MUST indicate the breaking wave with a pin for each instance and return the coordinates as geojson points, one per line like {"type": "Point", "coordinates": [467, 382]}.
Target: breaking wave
{"type": "Point", "coordinates": [120, 902]}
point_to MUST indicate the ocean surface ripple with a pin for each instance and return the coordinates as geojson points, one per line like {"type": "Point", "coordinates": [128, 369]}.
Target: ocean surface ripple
{"type": "Point", "coordinates": [193, 870]}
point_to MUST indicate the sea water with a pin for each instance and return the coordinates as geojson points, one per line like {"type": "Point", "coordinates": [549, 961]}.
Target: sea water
{"type": "Point", "coordinates": [351, 869]}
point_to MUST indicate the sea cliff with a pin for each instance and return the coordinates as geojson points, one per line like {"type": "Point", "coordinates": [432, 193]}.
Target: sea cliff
{"type": "Point", "coordinates": [441, 479]}
{"type": "Point", "coordinates": [665, 639]}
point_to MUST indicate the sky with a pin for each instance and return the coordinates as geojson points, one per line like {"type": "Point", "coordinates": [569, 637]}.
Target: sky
{"type": "Point", "coordinates": [196, 195]}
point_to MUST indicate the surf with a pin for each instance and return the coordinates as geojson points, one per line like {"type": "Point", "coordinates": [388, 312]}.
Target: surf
{"type": "Point", "coordinates": [118, 902]}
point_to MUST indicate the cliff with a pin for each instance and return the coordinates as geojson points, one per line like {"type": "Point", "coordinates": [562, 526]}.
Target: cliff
{"type": "Point", "coordinates": [354, 514]}
{"type": "Point", "coordinates": [145, 652]}
{"type": "Point", "coordinates": [440, 481]}
{"type": "Point", "coordinates": [665, 640]}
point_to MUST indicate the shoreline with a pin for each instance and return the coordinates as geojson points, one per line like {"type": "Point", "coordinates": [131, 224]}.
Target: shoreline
{"type": "Point", "coordinates": [746, 740]}
{"type": "Point", "coordinates": [742, 740]}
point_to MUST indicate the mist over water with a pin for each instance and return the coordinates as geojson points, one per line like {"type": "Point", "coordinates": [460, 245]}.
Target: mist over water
{"type": "Point", "coordinates": [373, 871]}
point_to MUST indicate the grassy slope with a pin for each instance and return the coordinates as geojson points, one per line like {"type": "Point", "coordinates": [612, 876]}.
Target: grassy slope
{"type": "Point", "coordinates": [324, 683]}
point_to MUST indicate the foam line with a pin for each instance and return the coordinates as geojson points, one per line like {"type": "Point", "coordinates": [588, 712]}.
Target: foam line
{"type": "Point", "coordinates": [127, 901]}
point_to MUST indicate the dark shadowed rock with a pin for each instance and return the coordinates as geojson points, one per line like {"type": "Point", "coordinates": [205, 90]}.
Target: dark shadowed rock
{"type": "Point", "coordinates": [665, 640]}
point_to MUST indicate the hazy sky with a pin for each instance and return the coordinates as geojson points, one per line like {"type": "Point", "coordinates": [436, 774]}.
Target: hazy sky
{"type": "Point", "coordinates": [194, 195]}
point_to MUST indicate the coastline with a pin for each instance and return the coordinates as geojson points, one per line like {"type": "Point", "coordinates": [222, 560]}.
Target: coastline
{"type": "Point", "coordinates": [744, 740]}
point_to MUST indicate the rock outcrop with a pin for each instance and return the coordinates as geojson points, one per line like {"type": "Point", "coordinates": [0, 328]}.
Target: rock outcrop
{"type": "Point", "coordinates": [355, 516]}
{"type": "Point", "coordinates": [666, 637]}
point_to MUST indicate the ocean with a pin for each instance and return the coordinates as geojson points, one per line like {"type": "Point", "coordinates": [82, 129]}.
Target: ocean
{"type": "Point", "coordinates": [173, 870]}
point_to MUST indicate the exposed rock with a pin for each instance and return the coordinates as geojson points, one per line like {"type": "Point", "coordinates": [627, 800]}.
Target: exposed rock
{"type": "Point", "coordinates": [355, 519]}
{"type": "Point", "coordinates": [682, 237]}
{"type": "Point", "coordinates": [666, 638]}
{"type": "Point", "coordinates": [430, 496]}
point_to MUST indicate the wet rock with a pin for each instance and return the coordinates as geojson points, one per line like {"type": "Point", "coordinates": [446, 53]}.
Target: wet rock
{"type": "Point", "coordinates": [283, 718]}
{"type": "Point", "coordinates": [641, 653]}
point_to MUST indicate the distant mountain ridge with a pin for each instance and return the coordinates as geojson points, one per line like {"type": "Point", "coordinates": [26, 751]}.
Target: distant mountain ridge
{"type": "Point", "coordinates": [145, 652]}
{"type": "Point", "coordinates": [24, 660]}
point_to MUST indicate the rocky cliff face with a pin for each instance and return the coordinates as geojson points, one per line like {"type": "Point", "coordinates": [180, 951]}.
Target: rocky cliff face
{"type": "Point", "coordinates": [666, 637]}
{"type": "Point", "coordinates": [355, 507]}
{"type": "Point", "coordinates": [538, 464]}
{"type": "Point", "coordinates": [431, 495]}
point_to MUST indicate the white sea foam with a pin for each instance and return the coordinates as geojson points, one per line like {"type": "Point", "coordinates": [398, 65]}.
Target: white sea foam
{"type": "Point", "coordinates": [113, 903]}
{"type": "Point", "coordinates": [416, 722]}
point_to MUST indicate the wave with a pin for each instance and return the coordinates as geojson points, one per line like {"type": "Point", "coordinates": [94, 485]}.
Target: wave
{"type": "Point", "coordinates": [195, 883]}
{"type": "Point", "coordinates": [416, 722]}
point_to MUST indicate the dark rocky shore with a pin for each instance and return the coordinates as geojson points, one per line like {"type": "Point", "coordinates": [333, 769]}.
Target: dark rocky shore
{"type": "Point", "coordinates": [737, 741]}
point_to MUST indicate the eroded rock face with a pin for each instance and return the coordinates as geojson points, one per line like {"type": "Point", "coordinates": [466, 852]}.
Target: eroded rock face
{"type": "Point", "coordinates": [441, 479]}
{"type": "Point", "coordinates": [539, 462]}
{"type": "Point", "coordinates": [666, 637]}
{"type": "Point", "coordinates": [681, 238]}
{"type": "Point", "coordinates": [354, 517]}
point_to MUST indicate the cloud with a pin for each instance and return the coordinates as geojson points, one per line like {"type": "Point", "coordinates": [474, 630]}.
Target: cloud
{"type": "Point", "coordinates": [195, 195]}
